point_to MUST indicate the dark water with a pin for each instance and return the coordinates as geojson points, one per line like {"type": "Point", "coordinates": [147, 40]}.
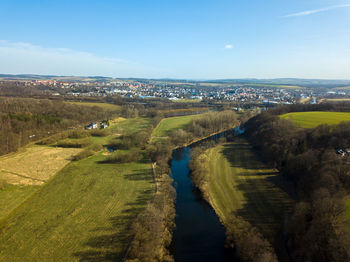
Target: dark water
{"type": "Point", "coordinates": [199, 236]}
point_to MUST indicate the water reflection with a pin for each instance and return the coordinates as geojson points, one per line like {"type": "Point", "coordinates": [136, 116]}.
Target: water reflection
{"type": "Point", "coordinates": [199, 236]}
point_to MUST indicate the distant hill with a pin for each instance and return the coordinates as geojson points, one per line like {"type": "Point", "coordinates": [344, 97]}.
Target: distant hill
{"type": "Point", "coordinates": [309, 83]}
{"type": "Point", "coordinates": [53, 77]}
{"type": "Point", "coordinates": [330, 83]}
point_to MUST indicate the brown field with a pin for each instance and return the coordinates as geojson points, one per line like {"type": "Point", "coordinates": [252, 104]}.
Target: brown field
{"type": "Point", "coordinates": [35, 164]}
{"type": "Point", "coordinates": [105, 106]}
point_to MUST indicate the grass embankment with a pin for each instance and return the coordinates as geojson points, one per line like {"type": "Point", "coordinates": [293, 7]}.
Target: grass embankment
{"type": "Point", "coordinates": [239, 182]}
{"type": "Point", "coordinates": [83, 213]}
{"type": "Point", "coordinates": [242, 189]}
{"type": "Point", "coordinates": [313, 119]}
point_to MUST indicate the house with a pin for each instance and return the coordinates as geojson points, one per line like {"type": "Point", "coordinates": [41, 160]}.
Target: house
{"type": "Point", "coordinates": [92, 125]}
{"type": "Point", "coordinates": [342, 152]}
{"type": "Point", "coordinates": [103, 125]}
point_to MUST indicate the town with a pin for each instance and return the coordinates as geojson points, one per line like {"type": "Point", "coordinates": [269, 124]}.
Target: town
{"type": "Point", "coordinates": [236, 91]}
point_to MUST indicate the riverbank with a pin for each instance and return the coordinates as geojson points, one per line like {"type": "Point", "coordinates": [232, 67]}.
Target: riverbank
{"type": "Point", "coordinates": [198, 236]}
{"type": "Point", "coordinates": [151, 236]}
{"type": "Point", "coordinates": [239, 186]}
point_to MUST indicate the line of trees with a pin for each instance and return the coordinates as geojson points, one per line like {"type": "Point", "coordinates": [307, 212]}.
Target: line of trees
{"type": "Point", "coordinates": [23, 120]}
{"type": "Point", "coordinates": [307, 157]}
{"type": "Point", "coordinates": [154, 227]}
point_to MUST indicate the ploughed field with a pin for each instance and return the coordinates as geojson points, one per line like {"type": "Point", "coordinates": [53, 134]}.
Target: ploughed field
{"type": "Point", "coordinates": [316, 118]}
{"type": "Point", "coordinates": [82, 212]}
{"type": "Point", "coordinates": [239, 183]}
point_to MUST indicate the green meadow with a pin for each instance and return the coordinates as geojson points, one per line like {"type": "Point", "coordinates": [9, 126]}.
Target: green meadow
{"type": "Point", "coordinates": [313, 119]}
{"type": "Point", "coordinates": [172, 123]}
{"type": "Point", "coordinates": [12, 196]}
{"type": "Point", "coordinates": [82, 213]}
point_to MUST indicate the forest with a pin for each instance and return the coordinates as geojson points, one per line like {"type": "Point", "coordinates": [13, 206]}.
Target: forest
{"type": "Point", "coordinates": [317, 229]}
{"type": "Point", "coordinates": [23, 120]}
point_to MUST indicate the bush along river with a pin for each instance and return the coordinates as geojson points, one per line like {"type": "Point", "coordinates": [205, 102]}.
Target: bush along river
{"type": "Point", "coordinates": [199, 235]}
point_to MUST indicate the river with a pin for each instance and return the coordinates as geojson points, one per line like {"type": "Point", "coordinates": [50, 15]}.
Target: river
{"type": "Point", "coordinates": [198, 236]}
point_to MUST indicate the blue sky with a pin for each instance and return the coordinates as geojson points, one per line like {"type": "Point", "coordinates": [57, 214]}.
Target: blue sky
{"type": "Point", "coordinates": [196, 39]}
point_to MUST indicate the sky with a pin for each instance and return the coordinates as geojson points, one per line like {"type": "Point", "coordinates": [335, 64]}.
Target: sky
{"type": "Point", "coordinates": [192, 39]}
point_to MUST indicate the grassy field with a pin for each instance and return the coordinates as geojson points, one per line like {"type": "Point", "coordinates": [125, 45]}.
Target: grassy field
{"type": "Point", "coordinates": [12, 196]}
{"type": "Point", "coordinates": [34, 165]}
{"type": "Point", "coordinates": [347, 210]}
{"type": "Point", "coordinates": [132, 125]}
{"type": "Point", "coordinates": [240, 183]}
{"type": "Point", "coordinates": [83, 213]}
{"type": "Point", "coordinates": [106, 106]}
{"type": "Point", "coordinates": [172, 123]}
{"type": "Point", "coordinates": [313, 119]}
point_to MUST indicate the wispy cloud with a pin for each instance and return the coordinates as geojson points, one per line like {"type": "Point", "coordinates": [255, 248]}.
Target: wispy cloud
{"type": "Point", "coordinates": [315, 11]}
{"type": "Point", "coordinates": [228, 46]}
{"type": "Point", "coordinates": [17, 57]}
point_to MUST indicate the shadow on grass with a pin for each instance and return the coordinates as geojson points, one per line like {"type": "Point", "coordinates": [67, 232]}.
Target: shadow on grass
{"type": "Point", "coordinates": [266, 206]}
{"type": "Point", "coordinates": [250, 160]}
{"type": "Point", "coordinates": [140, 176]}
{"type": "Point", "coordinates": [267, 203]}
{"type": "Point", "coordinates": [110, 243]}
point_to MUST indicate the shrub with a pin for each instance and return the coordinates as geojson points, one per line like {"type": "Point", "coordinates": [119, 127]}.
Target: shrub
{"type": "Point", "coordinates": [249, 243]}
{"type": "Point", "coordinates": [53, 139]}
{"type": "Point", "coordinates": [100, 132]}
{"type": "Point", "coordinates": [138, 139]}
{"type": "Point", "coordinates": [91, 150]}
{"type": "Point", "coordinates": [96, 147]}
{"type": "Point", "coordinates": [83, 154]}
{"type": "Point", "coordinates": [78, 134]}
{"type": "Point", "coordinates": [124, 157]}
{"type": "Point", "coordinates": [81, 143]}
